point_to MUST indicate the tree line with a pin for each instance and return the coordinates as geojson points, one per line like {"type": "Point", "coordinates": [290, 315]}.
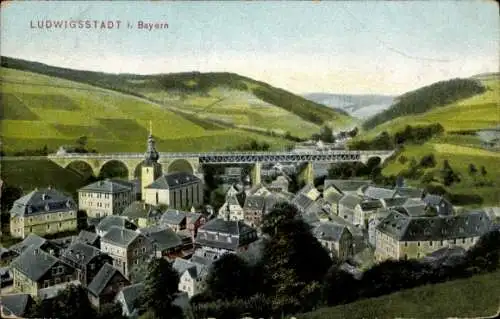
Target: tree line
{"type": "Point", "coordinates": [427, 98]}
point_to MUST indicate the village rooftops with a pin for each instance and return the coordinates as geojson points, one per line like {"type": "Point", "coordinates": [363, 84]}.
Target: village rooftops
{"type": "Point", "coordinates": [332, 197]}
{"type": "Point", "coordinates": [350, 201]}
{"type": "Point", "coordinates": [174, 180]}
{"type": "Point", "coordinates": [42, 201]}
{"type": "Point", "coordinates": [30, 240]}
{"type": "Point", "coordinates": [404, 228]}
{"type": "Point", "coordinates": [371, 205]}
{"type": "Point", "coordinates": [106, 186]}
{"type": "Point", "coordinates": [120, 236]}
{"type": "Point", "coordinates": [34, 263]}
{"type": "Point", "coordinates": [195, 270]}
{"type": "Point", "coordinates": [139, 209]}
{"type": "Point", "coordinates": [409, 192]}
{"type": "Point", "coordinates": [102, 279]}
{"type": "Point", "coordinates": [87, 237]}
{"type": "Point", "coordinates": [80, 254]}
{"type": "Point", "coordinates": [131, 294]}
{"type": "Point", "coordinates": [346, 185]}
{"type": "Point", "coordinates": [225, 234]}
{"type": "Point", "coordinates": [15, 305]}
{"type": "Point", "coordinates": [329, 231]}
{"type": "Point", "coordinates": [112, 220]}
{"type": "Point", "coordinates": [176, 217]}
{"type": "Point", "coordinates": [302, 202]}
{"type": "Point", "coordinates": [255, 202]}
{"type": "Point", "coordinates": [163, 238]}
{"type": "Point", "coordinates": [378, 192]}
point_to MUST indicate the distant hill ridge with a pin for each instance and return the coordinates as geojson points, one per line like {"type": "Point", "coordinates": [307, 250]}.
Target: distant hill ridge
{"type": "Point", "coordinates": [151, 86]}
{"type": "Point", "coordinates": [428, 97]}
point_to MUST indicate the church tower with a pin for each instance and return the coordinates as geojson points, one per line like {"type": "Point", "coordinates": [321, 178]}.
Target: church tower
{"type": "Point", "coordinates": [151, 169]}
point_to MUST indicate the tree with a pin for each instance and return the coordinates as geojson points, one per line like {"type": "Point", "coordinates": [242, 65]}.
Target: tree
{"type": "Point", "coordinates": [230, 277]}
{"type": "Point", "coordinates": [339, 287]}
{"type": "Point", "coordinates": [217, 198]}
{"type": "Point", "coordinates": [9, 195]}
{"type": "Point", "coordinates": [483, 171]}
{"type": "Point", "coordinates": [161, 284]}
{"type": "Point", "coordinates": [111, 311]}
{"type": "Point", "coordinates": [472, 169]}
{"type": "Point", "coordinates": [71, 303]}
{"type": "Point", "coordinates": [428, 161]}
{"type": "Point", "coordinates": [81, 142]}
{"type": "Point", "coordinates": [280, 213]}
{"type": "Point", "coordinates": [326, 135]}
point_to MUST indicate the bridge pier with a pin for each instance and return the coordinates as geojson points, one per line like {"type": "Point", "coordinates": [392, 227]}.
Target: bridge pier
{"type": "Point", "coordinates": [307, 174]}
{"type": "Point", "coordinates": [255, 174]}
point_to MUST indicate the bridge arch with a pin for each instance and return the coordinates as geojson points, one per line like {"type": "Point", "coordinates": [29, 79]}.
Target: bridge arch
{"type": "Point", "coordinates": [180, 165]}
{"type": "Point", "coordinates": [113, 168]}
{"type": "Point", "coordinates": [82, 168]}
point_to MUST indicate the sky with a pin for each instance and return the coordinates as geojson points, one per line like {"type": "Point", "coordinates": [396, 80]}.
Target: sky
{"type": "Point", "coordinates": [359, 47]}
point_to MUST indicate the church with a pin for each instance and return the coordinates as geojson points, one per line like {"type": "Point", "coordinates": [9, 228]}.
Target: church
{"type": "Point", "coordinates": [178, 190]}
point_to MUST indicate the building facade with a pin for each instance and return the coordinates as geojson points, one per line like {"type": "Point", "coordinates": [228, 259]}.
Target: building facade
{"type": "Point", "coordinates": [45, 211]}
{"type": "Point", "coordinates": [402, 237]}
{"type": "Point", "coordinates": [104, 198]}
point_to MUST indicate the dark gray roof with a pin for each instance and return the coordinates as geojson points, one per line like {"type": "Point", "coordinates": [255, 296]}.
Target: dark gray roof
{"type": "Point", "coordinates": [396, 201]}
{"type": "Point", "coordinates": [412, 210]}
{"type": "Point", "coordinates": [378, 192]}
{"type": "Point", "coordinates": [102, 279]}
{"type": "Point", "coordinates": [332, 197]}
{"type": "Point", "coordinates": [163, 238]}
{"type": "Point", "coordinates": [120, 236]}
{"type": "Point", "coordinates": [329, 231]}
{"type": "Point", "coordinates": [15, 304]}
{"type": "Point", "coordinates": [409, 192]}
{"type": "Point", "coordinates": [135, 183]}
{"type": "Point", "coordinates": [255, 202]}
{"type": "Point", "coordinates": [80, 253]}
{"type": "Point", "coordinates": [350, 201]}
{"type": "Point", "coordinates": [173, 217]}
{"type": "Point", "coordinates": [131, 294]}
{"type": "Point", "coordinates": [346, 185]}
{"type": "Point", "coordinates": [195, 270]}
{"type": "Point", "coordinates": [225, 234]}
{"type": "Point", "coordinates": [302, 201]}
{"type": "Point", "coordinates": [174, 180]}
{"type": "Point", "coordinates": [42, 201]}
{"type": "Point", "coordinates": [404, 228]}
{"type": "Point", "coordinates": [433, 200]}
{"type": "Point", "coordinates": [204, 257]}
{"type": "Point", "coordinates": [139, 209]}
{"type": "Point", "coordinates": [106, 186]}
{"type": "Point", "coordinates": [34, 263]}
{"type": "Point", "coordinates": [109, 221]}
{"type": "Point", "coordinates": [370, 205]}
{"type": "Point", "coordinates": [30, 240]}
{"type": "Point", "coordinates": [87, 237]}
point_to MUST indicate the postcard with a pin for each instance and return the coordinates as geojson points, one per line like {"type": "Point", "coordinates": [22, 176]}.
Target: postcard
{"type": "Point", "coordinates": [250, 159]}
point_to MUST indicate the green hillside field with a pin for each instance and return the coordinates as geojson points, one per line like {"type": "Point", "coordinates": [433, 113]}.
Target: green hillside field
{"type": "Point", "coordinates": [474, 297]}
{"type": "Point", "coordinates": [208, 97]}
{"type": "Point", "coordinates": [50, 111]}
{"type": "Point", "coordinates": [471, 114]}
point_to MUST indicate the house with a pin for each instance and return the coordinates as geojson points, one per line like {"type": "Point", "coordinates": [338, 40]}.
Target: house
{"type": "Point", "coordinates": [36, 241]}
{"type": "Point", "coordinates": [15, 305]}
{"type": "Point", "coordinates": [332, 198]}
{"type": "Point", "coordinates": [349, 206]}
{"type": "Point", "coordinates": [409, 192]}
{"type": "Point", "coordinates": [45, 211]}
{"type": "Point", "coordinates": [166, 242]}
{"type": "Point", "coordinates": [52, 291]}
{"type": "Point", "coordinates": [394, 202]}
{"type": "Point", "coordinates": [127, 248]}
{"type": "Point", "coordinates": [207, 257]}
{"type": "Point", "coordinates": [35, 269]}
{"type": "Point", "coordinates": [179, 190]}
{"type": "Point", "coordinates": [401, 237]}
{"type": "Point", "coordinates": [337, 239]}
{"type": "Point", "coordinates": [106, 285]}
{"type": "Point", "coordinates": [373, 221]}
{"type": "Point", "coordinates": [314, 213]}
{"type": "Point", "coordinates": [438, 203]}
{"type": "Point", "coordinates": [142, 214]}
{"type": "Point", "coordinates": [302, 202]}
{"type": "Point", "coordinates": [232, 175]}
{"type": "Point", "coordinates": [280, 184]}
{"type": "Point", "coordinates": [377, 193]}
{"type": "Point", "coordinates": [253, 210]}
{"type": "Point", "coordinates": [346, 186]}
{"type": "Point", "coordinates": [233, 189]}
{"type": "Point", "coordinates": [368, 207]}
{"type": "Point", "coordinates": [233, 207]}
{"type": "Point", "coordinates": [223, 235]}
{"type": "Point", "coordinates": [127, 298]}
{"type": "Point", "coordinates": [86, 259]}
{"type": "Point", "coordinates": [88, 238]}
{"type": "Point", "coordinates": [180, 220]}
{"type": "Point", "coordinates": [134, 185]}
{"type": "Point", "coordinates": [310, 192]}
{"type": "Point", "coordinates": [104, 198]}
{"type": "Point", "coordinates": [110, 221]}
{"type": "Point", "coordinates": [191, 276]}
{"type": "Point", "coordinates": [258, 190]}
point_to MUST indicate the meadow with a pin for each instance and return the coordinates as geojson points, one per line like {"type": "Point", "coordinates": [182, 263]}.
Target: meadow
{"type": "Point", "coordinates": [463, 298]}
{"type": "Point", "coordinates": [54, 112]}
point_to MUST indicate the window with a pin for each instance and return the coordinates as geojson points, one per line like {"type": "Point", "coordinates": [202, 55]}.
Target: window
{"type": "Point", "coordinates": [143, 249]}
{"type": "Point", "coordinates": [430, 243]}
{"type": "Point", "coordinates": [46, 283]}
{"type": "Point", "coordinates": [57, 280]}
{"type": "Point", "coordinates": [136, 251]}
{"type": "Point", "coordinates": [463, 240]}
{"type": "Point", "coordinates": [454, 241]}
{"type": "Point", "coordinates": [136, 261]}
{"type": "Point", "coordinates": [406, 244]}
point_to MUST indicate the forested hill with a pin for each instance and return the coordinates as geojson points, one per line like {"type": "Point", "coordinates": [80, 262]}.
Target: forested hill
{"type": "Point", "coordinates": [427, 98]}
{"type": "Point", "coordinates": [154, 87]}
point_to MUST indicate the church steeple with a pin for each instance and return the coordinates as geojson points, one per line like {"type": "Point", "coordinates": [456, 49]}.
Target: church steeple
{"type": "Point", "coordinates": [151, 155]}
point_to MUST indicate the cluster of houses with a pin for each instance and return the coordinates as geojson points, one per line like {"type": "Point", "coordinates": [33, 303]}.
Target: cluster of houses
{"type": "Point", "coordinates": [349, 217]}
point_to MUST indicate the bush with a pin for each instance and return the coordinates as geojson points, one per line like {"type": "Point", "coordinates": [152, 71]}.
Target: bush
{"type": "Point", "coordinates": [428, 161]}
{"type": "Point", "coordinates": [403, 159]}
